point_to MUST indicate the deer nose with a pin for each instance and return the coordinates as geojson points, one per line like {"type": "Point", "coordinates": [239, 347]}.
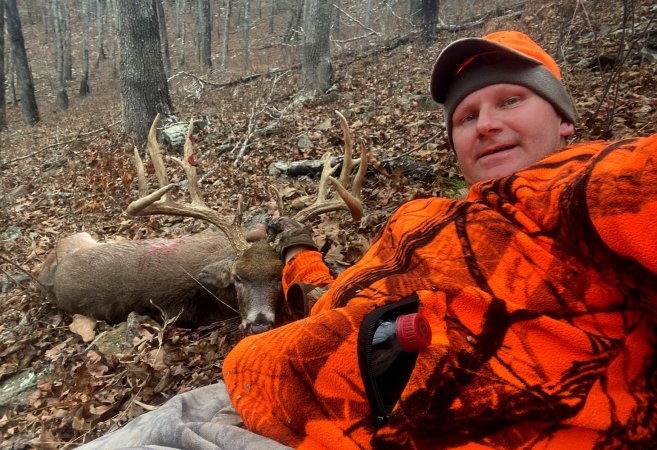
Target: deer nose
{"type": "Point", "coordinates": [259, 325]}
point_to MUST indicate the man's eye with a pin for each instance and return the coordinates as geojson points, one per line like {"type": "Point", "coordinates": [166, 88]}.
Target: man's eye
{"type": "Point", "coordinates": [511, 101]}
{"type": "Point", "coordinates": [469, 118]}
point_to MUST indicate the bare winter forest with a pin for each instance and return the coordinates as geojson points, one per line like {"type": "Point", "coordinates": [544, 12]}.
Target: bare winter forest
{"type": "Point", "coordinates": [65, 380]}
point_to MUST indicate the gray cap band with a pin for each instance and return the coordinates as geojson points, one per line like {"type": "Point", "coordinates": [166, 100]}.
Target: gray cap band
{"type": "Point", "coordinates": [535, 77]}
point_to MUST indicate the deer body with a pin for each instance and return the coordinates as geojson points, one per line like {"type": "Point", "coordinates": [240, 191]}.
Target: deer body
{"type": "Point", "coordinates": [193, 276]}
{"type": "Point", "coordinates": [206, 277]}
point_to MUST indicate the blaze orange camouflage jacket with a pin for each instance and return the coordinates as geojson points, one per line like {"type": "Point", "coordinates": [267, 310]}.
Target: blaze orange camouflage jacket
{"type": "Point", "coordinates": [541, 291]}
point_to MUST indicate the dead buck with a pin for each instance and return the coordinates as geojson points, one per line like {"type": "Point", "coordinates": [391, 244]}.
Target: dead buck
{"type": "Point", "coordinates": [205, 277]}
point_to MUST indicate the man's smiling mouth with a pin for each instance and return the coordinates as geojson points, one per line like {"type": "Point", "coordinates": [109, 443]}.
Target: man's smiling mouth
{"type": "Point", "coordinates": [493, 150]}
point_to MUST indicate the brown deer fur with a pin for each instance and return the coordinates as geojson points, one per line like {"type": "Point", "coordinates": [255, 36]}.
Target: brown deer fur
{"type": "Point", "coordinates": [192, 276]}
{"type": "Point", "coordinates": [203, 278]}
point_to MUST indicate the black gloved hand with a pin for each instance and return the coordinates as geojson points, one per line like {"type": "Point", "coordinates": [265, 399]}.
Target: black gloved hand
{"type": "Point", "coordinates": [292, 233]}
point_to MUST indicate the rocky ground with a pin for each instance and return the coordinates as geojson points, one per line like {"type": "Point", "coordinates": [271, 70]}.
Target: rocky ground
{"type": "Point", "coordinates": [73, 171]}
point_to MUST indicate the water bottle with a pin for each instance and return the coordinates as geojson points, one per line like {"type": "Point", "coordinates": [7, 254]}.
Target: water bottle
{"type": "Point", "coordinates": [407, 333]}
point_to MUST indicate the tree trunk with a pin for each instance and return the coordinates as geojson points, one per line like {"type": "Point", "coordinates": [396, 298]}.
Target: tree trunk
{"type": "Point", "coordinates": [164, 39]}
{"type": "Point", "coordinates": [368, 12]}
{"type": "Point", "coordinates": [142, 81]}
{"type": "Point", "coordinates": [23, 73]}
{"type": "Point", "coordinates": [204, 33]}
{"type": "Point", "coordinates": [3, 100]}
{"type": "Point", "coordinates": [224, 46]}
{"type": "Point", "coordinates": [292, 33]}
{"type": "Point", "coordinates": [84, 77]}
{"type": "Point", "coordinates": [111, 26]}
{"type": "Point", "coordinates": [429, 15]}
{"type": "Point", "coordinates": [245, 35]}
{"type": "Point", "coordinates": [11, 73]}
{"type": "Point", "coordinates": [180, 8]}
{"type": "Point", "coordinates": [101, 12]}
{"type": "Point", "coordinates": [47, 27]}
{"type": "Point", "coordinates": [316, 71]}
{"type": "Point", "coordinates": [181, 60]}
{"type": "Point", "coordinates": [61, 98]}
{"type": "Point", "coordinates": [415, 11]}
{"type": "Point", "coordinates": [66, 34]}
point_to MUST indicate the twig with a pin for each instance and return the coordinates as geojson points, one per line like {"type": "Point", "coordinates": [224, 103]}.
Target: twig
{"type": "Point", "coordinates": [57, 144]}
{"type": "Point", "coordinates": [356, 38]}
{"type": "Point", "coordinates": [243, 79]}
{"type": "Point", "coordinates": [191, 75]}
{"type": "Point", "coordinates": [356, 20]}
{"type": "Point", "coordinates": [614, 79]}
{"type": "Point", "coordinates": [394, 14]}
{"type": "Point", "coordinates": [249, 133]}
{"type": "Point", "coordinates": [7, 260]}
{"type": "Point", "coordinates": [252, 122]}
{"type": "Point", "coordinates": [204, 288]}
{"type": "Point", "coordinates": [16, 282]}
{"type": "Point", "coordinates": [438, 134]}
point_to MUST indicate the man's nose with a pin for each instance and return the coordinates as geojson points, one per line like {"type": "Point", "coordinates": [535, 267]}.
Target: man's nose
{"type": "Point", "coordinates": [488, 121]}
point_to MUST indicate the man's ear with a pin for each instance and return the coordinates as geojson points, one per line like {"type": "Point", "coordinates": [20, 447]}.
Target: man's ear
{"type": "Point", "coordinates": [566, 128]}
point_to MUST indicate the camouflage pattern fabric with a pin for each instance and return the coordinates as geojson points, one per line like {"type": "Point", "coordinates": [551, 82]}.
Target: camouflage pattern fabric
{"type": "Point", "coordinates": [541, 291]}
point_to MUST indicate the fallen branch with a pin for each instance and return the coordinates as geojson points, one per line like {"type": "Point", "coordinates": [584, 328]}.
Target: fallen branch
{"type": "Point", "coordinates": [415, 149]}
{"type": "Point", "coordinates": [301, 167]}
{"type": "Point", "coordinates": [57, 144]}
{"type": "Point", "coordinates": [356, 20]}
{"type": "Point", "coordinates": [356, 38]}
{"type": "Point", "coordinates": [251, 128]}
{"type": "Point", "coordinates": [510, 12]}
{"type": "Point", "coordinates": [249, 134]}
{"type": "Point", "coordinates": [7, 260]}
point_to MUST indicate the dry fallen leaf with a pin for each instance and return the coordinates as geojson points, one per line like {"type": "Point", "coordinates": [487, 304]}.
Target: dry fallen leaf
{"type": "Point", "coordinates": [94, 175]}
{"type": "Point", "coordinates": [157, 359]}
{"type": "Point", "coordinates": [84, 327]}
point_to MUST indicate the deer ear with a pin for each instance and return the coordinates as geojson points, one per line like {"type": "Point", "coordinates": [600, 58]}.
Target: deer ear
{"type": "Point", "coordinates": [217, 274]}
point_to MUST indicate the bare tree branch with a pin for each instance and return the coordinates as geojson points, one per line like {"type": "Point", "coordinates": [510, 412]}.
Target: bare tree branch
{"type": "Point", "coordinates": [352, 18]}
{"type": "Point", "coordinates": [57, 144]}
{"type": "Point", "coordinates": [7, 260]}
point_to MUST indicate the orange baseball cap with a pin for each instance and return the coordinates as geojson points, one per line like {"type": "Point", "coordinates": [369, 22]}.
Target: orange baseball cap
{"type": "Point", "coordinates": [456, 56]}
{"type": "Point", "coordinates": [467, 65]}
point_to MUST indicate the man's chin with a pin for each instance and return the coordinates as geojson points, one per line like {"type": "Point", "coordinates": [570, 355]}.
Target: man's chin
{"type": "Point", "coordinates": [497, 165]}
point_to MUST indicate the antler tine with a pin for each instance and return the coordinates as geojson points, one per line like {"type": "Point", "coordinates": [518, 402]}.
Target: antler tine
{"type": "Point", "coordinates": [276, 194]}
{"type": "Point", "coordinates": [347, 200]}
{"type": "Point", "coordinates": [160, 201]}
{"type": "Point", "coordinates": [188, 164]}
{"type": "Point", "coordinates": [347, 161]}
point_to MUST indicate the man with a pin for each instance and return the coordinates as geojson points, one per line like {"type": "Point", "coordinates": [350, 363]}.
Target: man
{"type": "Point", "coordinates": [540, 288]}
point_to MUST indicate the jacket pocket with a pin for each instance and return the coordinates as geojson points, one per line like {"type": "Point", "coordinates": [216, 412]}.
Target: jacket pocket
{"type": "Point", "coordinates": [383, 391]}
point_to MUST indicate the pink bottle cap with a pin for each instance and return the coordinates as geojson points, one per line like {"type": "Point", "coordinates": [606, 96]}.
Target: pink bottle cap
{"type": "Point", "coordinates": [413, 332]}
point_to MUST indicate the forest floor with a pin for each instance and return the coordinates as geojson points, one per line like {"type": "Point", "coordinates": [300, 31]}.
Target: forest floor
{"type": "Point", "coordinates": [76, 391]}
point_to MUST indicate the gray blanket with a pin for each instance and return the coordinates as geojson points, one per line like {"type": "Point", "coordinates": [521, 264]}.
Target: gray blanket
{"type": "Point", "coordinates": [199, 419]}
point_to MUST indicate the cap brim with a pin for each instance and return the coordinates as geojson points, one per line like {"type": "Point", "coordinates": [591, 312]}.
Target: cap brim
{"type": "Point", "coordinates": [458, 52]}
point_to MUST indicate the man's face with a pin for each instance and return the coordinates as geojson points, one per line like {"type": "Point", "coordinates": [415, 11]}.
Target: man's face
{"type": "Point", "coordinates": [502, 128]}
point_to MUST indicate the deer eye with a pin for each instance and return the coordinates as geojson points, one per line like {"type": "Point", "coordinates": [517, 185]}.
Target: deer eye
{"type": "Point", "coordinates": [237, 279]}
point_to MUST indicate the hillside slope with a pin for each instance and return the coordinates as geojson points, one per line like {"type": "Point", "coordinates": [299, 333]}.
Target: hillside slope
{"type": "Point", "coordinates": [85, 183]}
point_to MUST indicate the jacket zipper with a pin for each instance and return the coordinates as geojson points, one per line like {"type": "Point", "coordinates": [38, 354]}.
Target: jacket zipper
{"type": "Point", "coordinates": [365, 335]}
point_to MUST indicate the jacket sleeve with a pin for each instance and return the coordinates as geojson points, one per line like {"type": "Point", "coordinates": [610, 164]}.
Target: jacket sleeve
{"type": "Point", "coordinates": [305, 278]}
{"type": "Point", "coordinates": [621, 197]}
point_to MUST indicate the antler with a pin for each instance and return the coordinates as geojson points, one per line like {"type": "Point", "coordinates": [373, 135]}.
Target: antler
{"type": "Point", "coordinates": [160, 201]}
{"type": "Point", "coordinates": [346, 200]}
